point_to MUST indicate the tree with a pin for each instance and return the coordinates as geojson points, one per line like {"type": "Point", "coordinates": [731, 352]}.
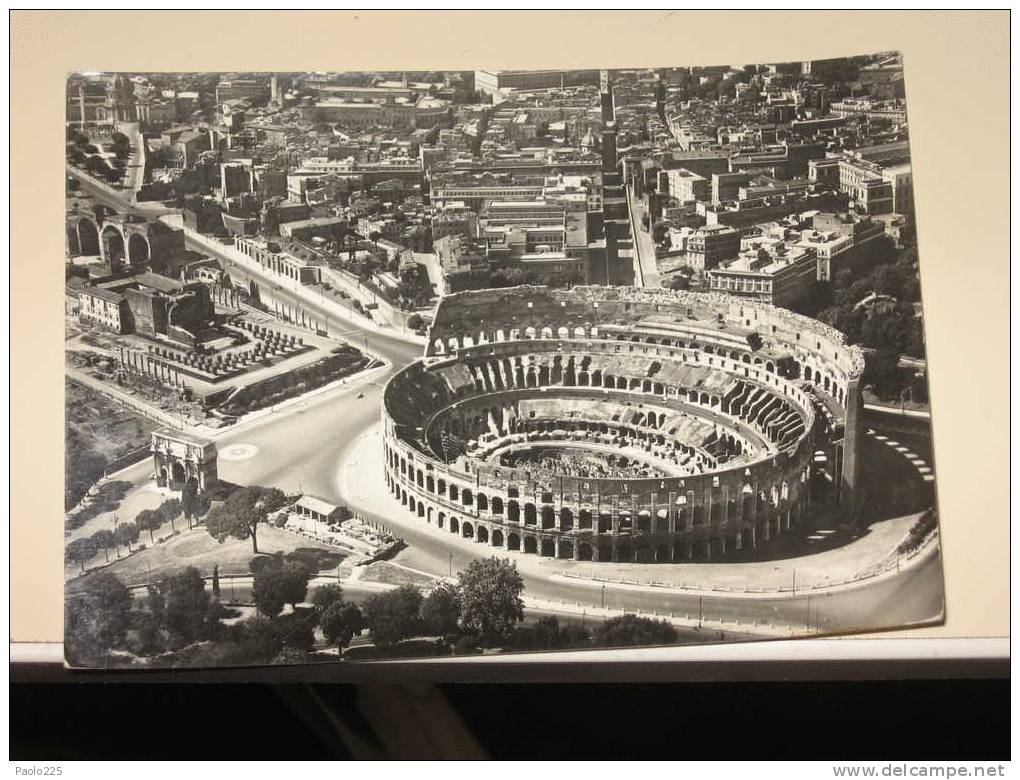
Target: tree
{"type": "Point", "coordinates": [75, 136]}
{"type": "Point", "coordinates": [341, 622]}
{"type": "Point", "coordinates": [546, 633]}
{"type": "Point", "coordinates": [324, 596]}
{"type": "Point", "coordinates": [631, 630]}
{"type": "Point", "coordinates": [440, 611]}
{"type": "Point", "coordinates": [242, 513]}
{"type": "Point", "coordinates": [679, 282]}
{"type": "Point", "coordinates": [81, 551]}
{"type": "Point", "coordinates": [84, 466]}
{"type": "Point", "coordinates": [187, 614]}
{"type": "Point", "coordinates": [104, 538]}
{"type": "Point", "coordinates": [254, 641]}
{"type": "Point", "coordinates": [120, 145]}
{"type": "Point", "coordinates": [574, 635]}
{"type": "Point", "coordinates": [191, 502]}
{"type": "Point", "coordinates": [97, 619]}
{"type": "Point", "coordinates": [882, 372]}
{"type": "Point", "coordinates": [846, 319]}
{"type": "Point", "coordinates": [490, 598]}
{"type": "Point", "coordinates": [127, 534]}
{"type": "Point", "coordinates": [393, 615]}
{"type": "Point", "coordinates": [170, 509]}
{"type": "Point", "coordinates": [149, 520]}
{"type": "Point", "coordinates": [295, 630]}
{"type": "Point", "coordinates": [147, 625]}
{"type": "Point", "coordinates": [278, 582]}
{"type": "Point", "coordinates": [660, 230]}
{"type": "Point", "coordinates": [415, 322]}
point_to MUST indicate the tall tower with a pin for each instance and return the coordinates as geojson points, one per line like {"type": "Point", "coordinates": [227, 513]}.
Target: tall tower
{"type": "Point", "coordinates": [614, 195]}
{"type": "Point", "coordinates": [660, 97]}
{"type": "Point", "coordinates": [606, 94]}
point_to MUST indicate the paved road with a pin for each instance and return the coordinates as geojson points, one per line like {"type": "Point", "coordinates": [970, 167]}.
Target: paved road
{"type": "Point", "coordinates": [301, 449]}
{"type": "Point", "coordinates": [646, 271]}
{"type": "Point", "coordinates": [237, 590]}
{"type": "Point", "coordinates": [117, 199]}
{"type": "Point", "coordinates": [912, 596]}
{"type": "Point", "coordinates": [135, 172]}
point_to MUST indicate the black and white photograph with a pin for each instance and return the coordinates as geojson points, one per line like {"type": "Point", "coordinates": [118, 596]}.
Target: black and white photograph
{"type": "Point", "coordinates": [461, 363]}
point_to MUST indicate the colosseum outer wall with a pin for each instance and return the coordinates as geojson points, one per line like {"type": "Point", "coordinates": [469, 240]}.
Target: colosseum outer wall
{"type": "Point", "coordinates": [670, 518]}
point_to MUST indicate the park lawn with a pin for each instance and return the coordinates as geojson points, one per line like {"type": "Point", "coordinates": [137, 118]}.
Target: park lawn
{"type": "Point", "coordinates": [197, 548]}
{"type": "Point", "coordinates": [387, 573]}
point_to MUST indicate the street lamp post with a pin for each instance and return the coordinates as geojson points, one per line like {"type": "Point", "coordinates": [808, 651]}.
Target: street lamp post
{"type": "Point", "coordinates": [603, 596]}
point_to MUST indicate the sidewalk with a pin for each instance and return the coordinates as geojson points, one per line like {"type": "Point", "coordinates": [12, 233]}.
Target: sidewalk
{"type": "Point", "coordinates": [818, 572]}
{"type": "Point", "coordinates": [134, 173]}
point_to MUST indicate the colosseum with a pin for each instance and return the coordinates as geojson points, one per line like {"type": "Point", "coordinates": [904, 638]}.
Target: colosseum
{"type": "Point", "coordinates": [623, 424]}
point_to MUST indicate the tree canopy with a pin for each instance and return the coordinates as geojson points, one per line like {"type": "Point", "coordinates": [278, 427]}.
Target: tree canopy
{"type": "Point", "coordinates": [242, 513]}
{"type": "Point", "coordinates": [341, 622]}
{"type": "Point", "coordinates": [104, 538]}
{"type": "Point", "coordinates": [149, 520]}
{"type": "Point", "coordinates": [393, 615]}
{"type": "Point", "coordinates": [490, 598]}
{"type": "Point", "coordinates": [81, 551]}
{"type": "Point", "coordinates": [127, 534]}
{"type": "Point", "coordinates": [632, 630]}
{"type": "Point", "coordinates": [278, 581]}
{"type": "Point", "coordinates": [96, 619]}
{"type": "Point", "coordinates": [188, 614]}
{"type": "Point", "coordinates": [169, 510]}
{"type": "Point", "coordinates": [325, 596]}
{"type": "Point", "coordinates": [440, 611]}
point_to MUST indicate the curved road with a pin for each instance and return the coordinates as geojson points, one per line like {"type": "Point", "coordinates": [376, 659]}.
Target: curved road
{"type": "Point", "coordinates": [300, 448]}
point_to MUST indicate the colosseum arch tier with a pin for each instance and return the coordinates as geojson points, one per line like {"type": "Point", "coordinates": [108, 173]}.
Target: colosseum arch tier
{"type": "Point", "coordinates": [624, 424]}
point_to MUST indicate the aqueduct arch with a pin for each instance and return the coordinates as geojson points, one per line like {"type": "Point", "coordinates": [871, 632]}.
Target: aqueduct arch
{"type": "Point", "coordinates": [138, 249]}
{"type": "Point", "coordinates": [113, 248]}
{"type": "Point", "coordinates": [88, 237]}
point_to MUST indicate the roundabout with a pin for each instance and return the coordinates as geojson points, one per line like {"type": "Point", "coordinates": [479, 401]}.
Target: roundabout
{"type": "Point", "coordinates": [238, 452]}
